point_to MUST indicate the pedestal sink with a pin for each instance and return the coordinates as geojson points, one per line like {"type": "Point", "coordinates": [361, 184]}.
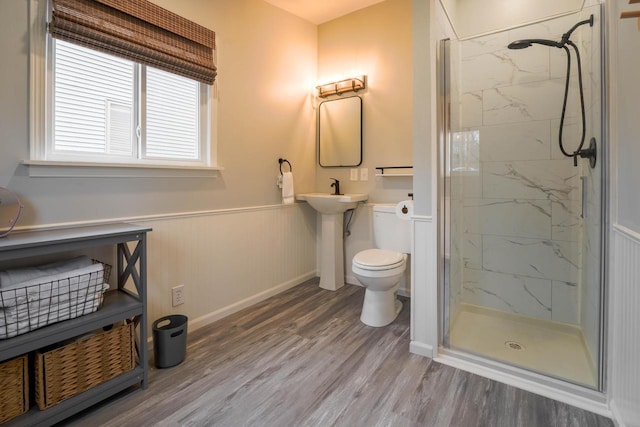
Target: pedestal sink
{"type": "Point", "coordinates": [332, 208]}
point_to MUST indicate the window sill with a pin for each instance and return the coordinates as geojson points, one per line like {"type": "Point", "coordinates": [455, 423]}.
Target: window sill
{"type": "Point", "coordinates": [55, 169]}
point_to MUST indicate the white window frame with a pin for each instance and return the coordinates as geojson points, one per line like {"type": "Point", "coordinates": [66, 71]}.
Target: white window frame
{"type": "Point", "coordinates": [43, 161]}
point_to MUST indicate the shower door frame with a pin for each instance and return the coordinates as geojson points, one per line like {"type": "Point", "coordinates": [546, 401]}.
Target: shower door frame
{"type": "Point", "coordinates": [604, 200]}
{"type": "Point", "coordinates": [443, 114]}
{"type": "Point", "coordinates": [443, 117]}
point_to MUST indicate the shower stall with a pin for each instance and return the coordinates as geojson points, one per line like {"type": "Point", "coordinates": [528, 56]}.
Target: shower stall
{"type": "Point", "coordinates": [522, 204]}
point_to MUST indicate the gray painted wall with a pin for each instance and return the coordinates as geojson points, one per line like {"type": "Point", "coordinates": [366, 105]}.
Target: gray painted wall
{"type": "Point", "coordinates": [423, 105]}
{"type": "Point", "coordinates": [375, 41]}
{"type": "Point", "coordinates": [251, 36]}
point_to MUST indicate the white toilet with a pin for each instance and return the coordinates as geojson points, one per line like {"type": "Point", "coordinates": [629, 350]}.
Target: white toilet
{"type": "Point", "coordinates": [380, 270]}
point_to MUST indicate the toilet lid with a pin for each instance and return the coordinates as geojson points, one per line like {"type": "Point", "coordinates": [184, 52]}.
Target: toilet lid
{"type": "Point", "coordinates": [376, 258]}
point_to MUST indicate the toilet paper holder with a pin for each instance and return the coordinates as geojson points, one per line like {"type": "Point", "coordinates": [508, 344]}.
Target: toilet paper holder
{"type": "Point", "coordinates": [405, 209]}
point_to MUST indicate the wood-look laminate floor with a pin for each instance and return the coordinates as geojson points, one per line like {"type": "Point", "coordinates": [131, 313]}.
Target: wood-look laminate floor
{"type": "Point", "coordinates": [303, 358]}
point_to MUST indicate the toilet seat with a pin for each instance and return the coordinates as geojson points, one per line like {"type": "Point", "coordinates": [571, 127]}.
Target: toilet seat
{"type": "Point", "coordinates": [378, 259]}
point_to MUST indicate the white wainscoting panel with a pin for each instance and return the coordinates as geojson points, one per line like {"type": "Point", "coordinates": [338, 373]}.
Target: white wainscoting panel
{"type": "Point", "coordinates": [228, 259]}
{"type": "Point", "coordinates": [624, 327]}
{"type": "Point", "coordinates": [424, 287]}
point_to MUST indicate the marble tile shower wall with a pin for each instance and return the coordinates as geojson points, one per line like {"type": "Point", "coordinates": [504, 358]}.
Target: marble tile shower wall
{"type": "Point", "coordinates": [519, 230]}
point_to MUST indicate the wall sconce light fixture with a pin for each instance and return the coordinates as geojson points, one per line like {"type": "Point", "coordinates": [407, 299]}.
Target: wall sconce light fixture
{"type": "Point", "coordinates": [632, 13]}
{"type": "Point", "coordinates": [353, 84]}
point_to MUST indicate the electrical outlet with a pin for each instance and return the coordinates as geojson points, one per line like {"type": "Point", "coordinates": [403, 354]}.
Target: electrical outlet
{"type": "Point", "coordinates": [177, 295]}
{"type": "Point", "coordinates": [354, 174]}
{"type": "Point", "coordinates": [364, 174]}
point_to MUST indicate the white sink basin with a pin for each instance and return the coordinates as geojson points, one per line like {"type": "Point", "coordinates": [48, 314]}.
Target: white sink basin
{"type": "Point", "coordinates": [332, 204]}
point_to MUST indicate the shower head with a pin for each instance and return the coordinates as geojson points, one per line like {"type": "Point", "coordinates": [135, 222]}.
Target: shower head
{"type": "Point", "coordinates": [522, 44]}
{"type": "Point", "coordinates": [562, 44]}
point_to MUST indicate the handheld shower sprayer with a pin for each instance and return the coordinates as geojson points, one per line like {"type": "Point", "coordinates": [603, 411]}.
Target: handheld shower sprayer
{"type": "Point", "coordinates": [522, 44]}
{"type": "Point", "coordinates": [565, 41]}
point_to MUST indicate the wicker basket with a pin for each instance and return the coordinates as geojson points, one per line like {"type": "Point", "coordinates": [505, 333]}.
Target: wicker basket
{"type": "Point", "coordinates": [67, 371]}
{"type": "Point", "coordinates": [14, 388]}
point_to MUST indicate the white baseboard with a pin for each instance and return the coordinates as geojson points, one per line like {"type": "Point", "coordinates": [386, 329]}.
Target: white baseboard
{"type": "Point", "coordinates": [404, 293]}
{"type": "Point", "coordinates": [351, 280]}
{"type": "Point", "coordinates": [421, 349]}
{"type": "Point", "coordinates": [235, 307]}
{"type": "Point", "coordinates": [209, 318]}
{"type": "Point", "coordinates": [615, 414]}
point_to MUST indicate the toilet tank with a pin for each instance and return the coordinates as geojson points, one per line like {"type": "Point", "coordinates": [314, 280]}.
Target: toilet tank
{"type": "Point", "coordinates": [389, 231]}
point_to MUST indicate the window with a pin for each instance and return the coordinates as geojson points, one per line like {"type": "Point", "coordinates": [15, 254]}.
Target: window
{"type": "Point", "coordinates": [89, 106]}
{"type": "Point", "coordinates": [94, 110]}
{"type": "Point", "coordinates": [108, 109]}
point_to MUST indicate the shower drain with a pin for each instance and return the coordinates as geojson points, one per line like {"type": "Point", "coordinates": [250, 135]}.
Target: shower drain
{"type": "Point", "coordinates": [514, 345]}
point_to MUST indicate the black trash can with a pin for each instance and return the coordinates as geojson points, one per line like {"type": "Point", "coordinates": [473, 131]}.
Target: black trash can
{"type": "Point", "coordinates": [169, 340]}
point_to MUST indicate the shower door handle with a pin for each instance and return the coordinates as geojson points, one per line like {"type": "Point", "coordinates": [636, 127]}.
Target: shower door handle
{"type": "Point", "coordinates": [583, 180]}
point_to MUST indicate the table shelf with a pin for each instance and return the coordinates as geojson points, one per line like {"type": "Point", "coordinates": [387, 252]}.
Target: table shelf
{"type": "Point", "coordinates": [119, 305]}
{"type": "Point", "coordinates": [35, 417]}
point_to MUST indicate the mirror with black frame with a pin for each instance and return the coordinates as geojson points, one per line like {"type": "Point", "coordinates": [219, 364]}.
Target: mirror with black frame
{"type": "Point", "coordinates": [340, 132]}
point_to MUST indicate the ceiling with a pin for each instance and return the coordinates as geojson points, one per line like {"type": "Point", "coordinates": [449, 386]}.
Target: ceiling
{"type": "Point", "coordinates": [320, 11]}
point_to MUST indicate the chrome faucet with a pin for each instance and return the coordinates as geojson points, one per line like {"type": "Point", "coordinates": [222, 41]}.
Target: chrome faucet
{"type": "Point", "coordinates": [336, 184]}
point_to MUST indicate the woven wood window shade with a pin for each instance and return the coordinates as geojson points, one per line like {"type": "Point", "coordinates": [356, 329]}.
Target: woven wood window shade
{"type": "Point", "coordinates": [140, 31]}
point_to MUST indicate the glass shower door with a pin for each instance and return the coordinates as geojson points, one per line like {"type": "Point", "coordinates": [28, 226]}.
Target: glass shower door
{"type": "Point", "coordinates": [522, 224]}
